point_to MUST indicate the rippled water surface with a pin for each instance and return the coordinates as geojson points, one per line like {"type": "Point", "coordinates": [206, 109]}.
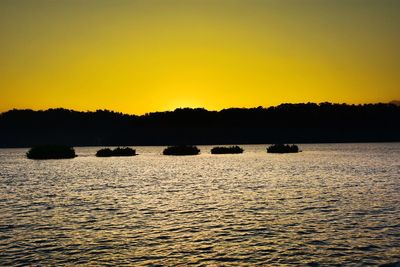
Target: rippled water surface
{"type": "Point", "coordinates": [336, 204]}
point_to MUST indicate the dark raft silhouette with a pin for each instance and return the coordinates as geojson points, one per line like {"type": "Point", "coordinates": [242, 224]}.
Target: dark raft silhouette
{"type": "Point", "coordinates": [227, 150]}
{"type": "Point", "coordinates": [116, 152]}
{"type": "Point", "coordinates": [281, 148]}
{"type": "Point", "coordinates": [51, 152]}
{"type": "Point", "coordinates": [181, 150]}
{"type": "Point", "coordinates": [286, 123]}
{"type": "Point", "coordinates": [104, 152]}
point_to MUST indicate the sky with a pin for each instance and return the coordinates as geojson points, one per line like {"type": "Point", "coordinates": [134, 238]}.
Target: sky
{"type": "Point", "coordinates": [138, 56]}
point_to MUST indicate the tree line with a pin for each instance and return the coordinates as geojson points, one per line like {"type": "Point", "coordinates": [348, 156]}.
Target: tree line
{"type": "Point", "coordinates": [286, 123]}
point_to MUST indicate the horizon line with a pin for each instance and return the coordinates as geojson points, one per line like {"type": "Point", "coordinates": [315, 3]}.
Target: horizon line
{"type": "Point", "coordinates": [395, 102]}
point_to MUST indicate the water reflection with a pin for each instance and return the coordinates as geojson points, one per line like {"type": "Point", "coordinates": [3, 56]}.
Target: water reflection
{"type": "Point", "coordinates": [331, 204]}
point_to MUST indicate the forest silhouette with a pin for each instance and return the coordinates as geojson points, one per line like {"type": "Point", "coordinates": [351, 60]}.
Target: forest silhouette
{"type": "Point", "coordinates": [286, 123]}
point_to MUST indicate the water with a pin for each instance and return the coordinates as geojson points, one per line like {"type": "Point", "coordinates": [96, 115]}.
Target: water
{"type": "Point", "coordinates": [332, 204]}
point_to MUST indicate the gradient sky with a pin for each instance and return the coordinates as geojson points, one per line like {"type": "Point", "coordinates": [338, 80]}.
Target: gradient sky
{"type": "Point", "coordinates": [137, 56]}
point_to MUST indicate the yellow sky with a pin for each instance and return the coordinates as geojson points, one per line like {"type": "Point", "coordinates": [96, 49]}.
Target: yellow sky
{"type": "Point", "coordinates": [137, 56]}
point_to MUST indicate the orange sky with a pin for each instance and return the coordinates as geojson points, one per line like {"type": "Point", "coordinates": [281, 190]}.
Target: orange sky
{"type": "Point", "coordinates": [149, 55]}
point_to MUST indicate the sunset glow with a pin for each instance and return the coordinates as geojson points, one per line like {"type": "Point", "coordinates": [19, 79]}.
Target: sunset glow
{"type": "Point", "coordinates": [147, 55]}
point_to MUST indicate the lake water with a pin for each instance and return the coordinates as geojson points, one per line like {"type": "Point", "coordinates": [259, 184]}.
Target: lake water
{"type": "Point", "coordinates": [332, 204]}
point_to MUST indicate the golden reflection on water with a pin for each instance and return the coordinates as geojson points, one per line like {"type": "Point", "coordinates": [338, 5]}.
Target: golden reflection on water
{"type": "Point", "coordinates": [331, 204]}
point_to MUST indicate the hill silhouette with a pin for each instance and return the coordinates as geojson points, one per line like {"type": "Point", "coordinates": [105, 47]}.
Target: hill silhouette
{"type": "Point", "coordinates": [286, 123]}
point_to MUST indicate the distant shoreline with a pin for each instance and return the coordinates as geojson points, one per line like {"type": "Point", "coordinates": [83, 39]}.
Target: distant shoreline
{"type": "Point", "coordinates": [286, 123]}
